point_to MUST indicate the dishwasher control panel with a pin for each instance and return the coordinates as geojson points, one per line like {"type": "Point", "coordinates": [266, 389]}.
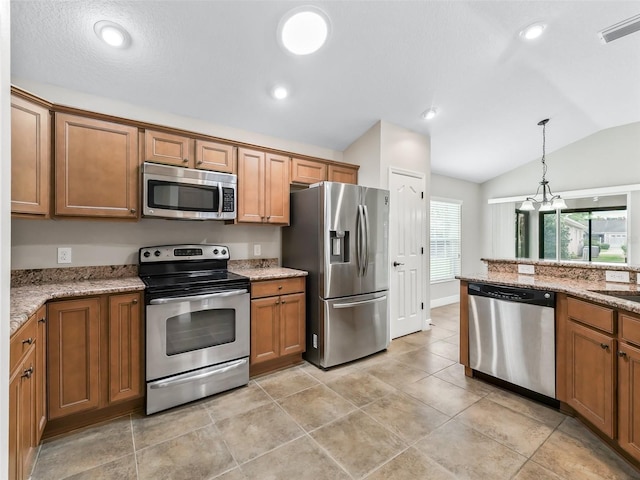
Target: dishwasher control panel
{"type": "Point", "coordinates": [519, 295]}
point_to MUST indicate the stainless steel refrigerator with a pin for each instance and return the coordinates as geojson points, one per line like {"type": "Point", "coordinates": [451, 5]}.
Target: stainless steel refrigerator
{"type": "Point", "coordinates": [339, 233]}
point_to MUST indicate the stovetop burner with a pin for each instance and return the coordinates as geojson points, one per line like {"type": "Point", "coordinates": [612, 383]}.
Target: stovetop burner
{"type": "Point", "coordinates": [187, 269]}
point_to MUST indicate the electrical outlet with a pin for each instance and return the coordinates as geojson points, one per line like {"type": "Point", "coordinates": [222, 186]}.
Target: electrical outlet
{"type": "Point", "coordinates": [64, 254]}
{"type": "Point", "coordinates": [527, 269]}
{"type": "Point", "coordinates": [257, 250]}
{"type": "Point", "coordinates": [617, 276]}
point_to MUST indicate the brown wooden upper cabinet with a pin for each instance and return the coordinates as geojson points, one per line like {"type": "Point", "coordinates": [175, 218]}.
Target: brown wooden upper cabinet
{"type": "Point", "coordinates": [96, 173]}
{"type": "Point", "coordinates": [172, 149]}
{"type": "Point", "coordinates": [30, 157]}
{"type": "Point", "coordinates": [263, 187]}
{"type": "Point", "coordinates": [307, 171]}
{"type": "Point", "coordinates": [343, 173]}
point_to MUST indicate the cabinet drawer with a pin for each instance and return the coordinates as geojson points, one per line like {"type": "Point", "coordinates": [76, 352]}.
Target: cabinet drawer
{"type": "Point", "coordinates": [22, 341]}
{"type": "Point", "coordinates": [283, 286]}
{"type": "Point", "coordinates": [630, 328]}
{"type": "Point", "coordinates": [590, 314]}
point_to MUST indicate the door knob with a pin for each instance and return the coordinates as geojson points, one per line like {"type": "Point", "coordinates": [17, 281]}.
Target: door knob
{"type": "Point", "coordinates": [395, 264]}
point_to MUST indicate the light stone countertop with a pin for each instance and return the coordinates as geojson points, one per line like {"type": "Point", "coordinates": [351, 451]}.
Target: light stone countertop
{"type": "Point", "coordinates": [595, 291]}
{"type": "Point", "coordinates": [27, 299]}
{"type": "Point", "coordinates": [268, 273]}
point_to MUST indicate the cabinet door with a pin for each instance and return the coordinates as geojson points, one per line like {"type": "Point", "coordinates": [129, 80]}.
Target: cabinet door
{"type": "Point", "coordinates": [14, 406]}
{"type": "Point", "coordinates": [307, 171]}
{"type": "Point", "coordinates": [167, 148]}
{"type": "Point", "coordinates": [215, 156]}
{"type": "Point", "coordinates": [125, 355]}
{"type": "Point", "coordinates": [73, 356]}
{"type": "Point", "coordinates": [292, 324]}
{"type": "Point", "coordinates": [342, 174]}
{"type": "Point", "coordinates": [277, 189]}
{"type": "Point", "coordinates": [40, 374]}
{"type": "Point", "coordinates": [629, 399]}
{"type": "Point", "coordinates": [30, 157]}
{"type": "Point", "coordinates": [96, 168]}
{"type": "Point", "coordinates": [251, 186]}
{"type": "Point", "coordinates": [26, 414]}
{"type": "Point", "coordinates": [265, 329]}
{"type": "Point", "coordinates": [591, 375]}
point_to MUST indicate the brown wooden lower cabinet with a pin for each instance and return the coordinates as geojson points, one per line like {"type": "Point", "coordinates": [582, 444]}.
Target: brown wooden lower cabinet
{"type": "Point", "coordinates": [591, 375]}
{"type": "Point", "coordinates": [629, 398]}
{"type": "Point", "coordinates": [277, 323]}
{"type": "Point", "coordinates": [94, 358]}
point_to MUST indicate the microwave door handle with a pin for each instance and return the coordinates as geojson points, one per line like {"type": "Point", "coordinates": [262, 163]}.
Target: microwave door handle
{"type": "Point", "coordinates": [220, 198]}
{"type": "Point", "coordinates": [194, 298]}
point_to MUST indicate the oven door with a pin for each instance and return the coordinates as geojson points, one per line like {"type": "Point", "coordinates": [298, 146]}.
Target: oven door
{"type": "Point", "coordinates": [187, 333]}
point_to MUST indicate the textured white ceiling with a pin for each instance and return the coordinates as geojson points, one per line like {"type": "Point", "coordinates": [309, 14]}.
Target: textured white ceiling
{"type": "Point", "coordinates": [389, 60]}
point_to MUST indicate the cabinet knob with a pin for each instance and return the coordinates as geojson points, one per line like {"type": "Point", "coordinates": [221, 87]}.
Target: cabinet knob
{"type": "Point", "coordinates": [42, 320]}
{"type": "Point", "coordinates": [200, 162]}
{"type": "Point", "coordinates": [133, 210]}
{"type": "Point", "coordinates": [185, 160]}
{"type": "Point", "coordinates": [27, 373]}
{"type": "Point", "coordinates": [622, 354]}
{"type": "Point", "coordinates": [277, 302]}
{"type": "Point", "coordinates": [268, 217]}
{"type": "Point", "coordinates": [604, 346]}
{"type": "Point", "coordinates": [279, 287]}
{"type": "Point", "coordinates": [134, 301]}
{"type": "Point", "coordinates": [283, 302]}
{"type": "Point", "coordinates": [28, 341]}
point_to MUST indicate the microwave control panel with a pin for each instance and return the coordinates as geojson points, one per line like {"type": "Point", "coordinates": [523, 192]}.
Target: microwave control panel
{"type": "Point", "coordinates": [228, 200]}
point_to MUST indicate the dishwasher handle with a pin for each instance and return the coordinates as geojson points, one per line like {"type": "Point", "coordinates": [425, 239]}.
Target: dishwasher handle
{"type": "Point", "coordinates": [529, 296]}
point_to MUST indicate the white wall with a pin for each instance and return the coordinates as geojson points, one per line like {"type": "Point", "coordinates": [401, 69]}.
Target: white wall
{"type": "Point", "coordinates": [443, 293]}
{"type": "Point", "coordinates": [365, 151]}
{"type": "Point", "coordinates": [402, 148]}
{"type": "Point", "coordinates": [5, 230]}
{"type": "Point", "coordinates": [35, 242]}
{"type": "Point", "coordinates": [606, 158]}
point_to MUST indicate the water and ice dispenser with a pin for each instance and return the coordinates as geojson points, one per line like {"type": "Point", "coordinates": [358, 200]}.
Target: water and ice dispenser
{"type": "Point", "coordinates": [339, 252]}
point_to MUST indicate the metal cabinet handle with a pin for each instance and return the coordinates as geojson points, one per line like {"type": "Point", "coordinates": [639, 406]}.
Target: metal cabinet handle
{"type": "Point", "coordinates": [42, 320]}
{"type": "Point", "coordinates": [200, 162]}
{"type": "Point", "coordinates": [133, 210]}
{"type": "Point", "coordinates": [604, 346]}
{"type": "Point", "coordinates": [134, 301]}
{"type": "Point", "coordinates": [28, 341]}
{"type": "Point", "coordinates": [395, 264]}
{"type": "Point", "coordinates": [279, 287]}
{"type": "Point", "coordinates": [622, 354]}
{"type": "Point", "coordinates": [27, 373]}
{"type": "Point", "coordinates": [185, 160]}
{"type": "Point", "coordinates": [283, 302]}
{"type": "Point", "coordinates": [277, 302]}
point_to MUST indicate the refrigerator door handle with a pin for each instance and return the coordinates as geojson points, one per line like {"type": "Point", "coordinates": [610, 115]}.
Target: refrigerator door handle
{"type": "Point", "coordinates": [365, 270]}
{"type": "Point", "coordinates": [360, 238]}
{"type": "Point", "coordinates": [357, 304]}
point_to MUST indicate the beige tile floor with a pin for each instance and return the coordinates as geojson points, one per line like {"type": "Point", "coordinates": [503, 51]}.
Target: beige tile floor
{"type": "Point", "coordinates": [407, 413]}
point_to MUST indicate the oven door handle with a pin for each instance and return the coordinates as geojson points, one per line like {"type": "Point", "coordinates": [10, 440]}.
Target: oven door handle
{"type": "Point", "coordinates": [195, 298]}
{"type": "Point", "coordinates": [190, 377]}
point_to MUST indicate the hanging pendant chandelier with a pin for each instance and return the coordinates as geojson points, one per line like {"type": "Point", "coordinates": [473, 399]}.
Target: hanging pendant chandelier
{"type": "Point", "coordinates": [548, 201]}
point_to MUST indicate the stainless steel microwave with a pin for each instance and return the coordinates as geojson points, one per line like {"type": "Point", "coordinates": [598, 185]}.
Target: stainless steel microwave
{"type": "Point", "coordinates": [188, 194]}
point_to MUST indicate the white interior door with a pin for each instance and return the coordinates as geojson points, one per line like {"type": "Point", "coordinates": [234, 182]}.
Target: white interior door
{"type": "Point", "coordinates": [407, 237]}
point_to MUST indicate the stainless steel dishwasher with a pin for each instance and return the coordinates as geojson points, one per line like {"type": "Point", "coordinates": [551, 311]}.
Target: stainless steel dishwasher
{"type": "Point", "coordinates": [512, 336]}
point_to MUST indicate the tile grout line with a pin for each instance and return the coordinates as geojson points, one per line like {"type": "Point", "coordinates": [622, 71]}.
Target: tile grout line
{"type": "Point", "coordinates": [133, 441]}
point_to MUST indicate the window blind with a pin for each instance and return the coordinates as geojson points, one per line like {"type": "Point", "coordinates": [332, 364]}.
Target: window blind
{"type": "Point", "coordinates": [445, 240]}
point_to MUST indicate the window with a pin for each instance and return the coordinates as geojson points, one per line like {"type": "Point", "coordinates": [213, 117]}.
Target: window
{"type": "Point", "coordinates": [445, 239]}
{"type": "Point", "coordinates": [522, 234]}
{"type": "Point", "coordinates": [585, 234]}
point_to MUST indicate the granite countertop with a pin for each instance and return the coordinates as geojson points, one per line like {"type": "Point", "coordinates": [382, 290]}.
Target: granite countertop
{"type": "Point", "coordinates": [595, 291]}
{"type": "Point", "coordinates": [27, 299]}
{"type": "Point", "coordinates": [268, 273]}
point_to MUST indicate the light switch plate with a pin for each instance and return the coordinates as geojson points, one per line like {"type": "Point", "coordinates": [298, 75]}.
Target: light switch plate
{"type": "Point", "coordinates": [617, 276]}
{"type": "Point", "coordinates": [527, 269]}
{"type": "Point", "coordinates": [257, 250]}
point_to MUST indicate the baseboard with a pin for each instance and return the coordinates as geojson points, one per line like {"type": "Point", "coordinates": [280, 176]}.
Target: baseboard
{"type": "Point", "coordinates": [441, 302]}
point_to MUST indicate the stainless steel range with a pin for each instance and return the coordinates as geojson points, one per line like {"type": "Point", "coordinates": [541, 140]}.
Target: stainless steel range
{"type": "Point", "coordinates": [197, 323]}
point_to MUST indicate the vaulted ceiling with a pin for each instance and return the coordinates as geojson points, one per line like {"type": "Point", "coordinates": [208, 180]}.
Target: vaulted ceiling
{"type": "Point", "coordinates": [389, 60]}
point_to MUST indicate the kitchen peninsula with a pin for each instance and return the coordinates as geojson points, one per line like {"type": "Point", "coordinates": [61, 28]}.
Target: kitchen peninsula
{"type": "Point", "coordinates": [597, 340]}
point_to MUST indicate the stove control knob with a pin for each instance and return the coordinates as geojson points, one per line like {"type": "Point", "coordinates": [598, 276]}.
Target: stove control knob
{"type": "Point", "coordinates": [157, 253]}
{"type": "Point", "coordinates": [224, 252]}
{"type": "Point", "coordinates": [215, 251]}
{"type": "Point", "coordinates": [146, 254]}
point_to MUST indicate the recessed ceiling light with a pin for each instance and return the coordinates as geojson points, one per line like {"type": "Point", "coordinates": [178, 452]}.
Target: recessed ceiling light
{"type": "Point", "coordinates": [112, 34]}
{"type": "Point", "coordinates": [279, 93]}
{"type": "Point", "coordinates": [429, 114]}
{"type": "Point", "coordinates": [303, 30]}
{"type": "Point", "coordinates": [533, 31]}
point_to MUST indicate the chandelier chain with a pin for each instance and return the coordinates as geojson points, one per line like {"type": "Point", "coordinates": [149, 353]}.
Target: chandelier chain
{"type": "Point", "coordinates": [544, 143]}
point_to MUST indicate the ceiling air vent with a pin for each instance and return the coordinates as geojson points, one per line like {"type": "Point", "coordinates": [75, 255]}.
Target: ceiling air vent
{"type": "Point", "coordinates": [620, 30]}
